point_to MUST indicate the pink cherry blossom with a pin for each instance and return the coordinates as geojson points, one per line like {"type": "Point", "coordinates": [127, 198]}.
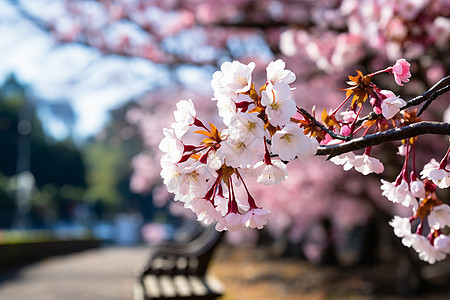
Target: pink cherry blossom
{"type": "Point", "coordinates": [256, 218]}
{"type": "Point", "coordinates": [366, 164]}
{"type": "Point", "coordinates": [232, 222]}
{"type": "Point", "coordinates": [401, 71]}
{"type": "Point", "coordinates": [205, 211]}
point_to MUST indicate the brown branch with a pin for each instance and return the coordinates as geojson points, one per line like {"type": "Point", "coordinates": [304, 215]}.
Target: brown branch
{"type": "Point", "coordinates": [436, 90]}
{"type": "Point", "coordinates": [378, 138]}
{"type": "Point", "coordinates": [323, 127]}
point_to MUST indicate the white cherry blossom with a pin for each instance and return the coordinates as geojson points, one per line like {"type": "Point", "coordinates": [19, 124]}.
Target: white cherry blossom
{"type": "Point", "coordinates": [219, 87]}
{"type": "Point", "coordinates": [256, 218]}
{"type": "Point", "coordinates": [192, 181]}
{"type": "Point", "coordinates": [439, 176]}
{"type": "Point", "coordinates": [171, 174]}
{"type": "Point", "coordinates": [402, 226]}
{"type": "Point", "coordinates": [389, 190]}
{"type": "Point", "coordinates": [426, 251]}
{"type": "Point", "coordinates": [269, 174]}
{"type": "Point", "coordinates": [345, 159]}
{"type": "Point", "coordinates": [403, 195]}
{"type": "Point", "coordinates": [221, 203]}
{"type": "Point", "coordinates": [276, 72]}
{"type": "Point", "coordinates": [239, 153]}
{"type": "Point", "coordinates": [402, 150]}
{"type": "Point", "coordinates": [442, 243]}
{"type": "Point", "coordinates": [214, 162]}
{"type": "Point", "coordinates": [410, 239]}
{"type": "Point", "coordinates": [439, 216]}
{"type": "Point", "coordinates": [205, 211]}
{"type": "Point", "coordinates": [236, 77]}
{"type": "Point", "coordinates": [246, 126]}
{"type": "Point", "coordinates": [232, 222]}
{"type": "Point", "coordinates": [171, 145]}
{"type": "Point", "coordinates": [391, 105]}
{"type": "Point", "coordinates": [184, 117]}
{"type": "Point", "coordinates": [227, 109]}
{"type": "Point", "coordinates": [366, 164]}
{"type": "Point", "coordinates": [290, 142]}
{"type": "Point", "coordinates": [417, 188]}
{"type": "Point", "coordinates": [279, 106]}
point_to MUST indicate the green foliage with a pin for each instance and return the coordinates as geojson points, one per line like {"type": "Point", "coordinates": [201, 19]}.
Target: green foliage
{"type": "Point", "coordinates": [108, 162]}
{"type": "Point", "coordinates": [105, 167]}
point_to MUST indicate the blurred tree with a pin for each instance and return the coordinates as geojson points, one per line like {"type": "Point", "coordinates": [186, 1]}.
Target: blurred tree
{"type": "Point", "coordinates": [50, 161]}
{"type": "Point", "coordinates": [27, 148]}
{"type": "Point", "coordinates": [108, 157]}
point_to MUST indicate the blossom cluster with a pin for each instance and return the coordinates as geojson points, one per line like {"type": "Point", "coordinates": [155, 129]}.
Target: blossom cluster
{"type": "Point", "coordinates": [392, 29]}
{"type": "Point", "coordinates": [264, 129]}
{"type": "Point", "coordinates": [431, 212]}
{"type": "Point", "coordinates": [407, 190]}
{"type": "Point", "coordinates": [259, 126]}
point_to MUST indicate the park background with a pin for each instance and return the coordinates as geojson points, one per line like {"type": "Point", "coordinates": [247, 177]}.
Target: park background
{"type": "Point", "coordinates": [87, 87]}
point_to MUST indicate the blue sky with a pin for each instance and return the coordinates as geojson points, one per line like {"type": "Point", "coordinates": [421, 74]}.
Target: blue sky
{"type": "Point", "coordinates": [92, 84]}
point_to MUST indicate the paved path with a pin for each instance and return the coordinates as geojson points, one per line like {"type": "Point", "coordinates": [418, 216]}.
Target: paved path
{"type": "Point", "coordinates": [98, 274]}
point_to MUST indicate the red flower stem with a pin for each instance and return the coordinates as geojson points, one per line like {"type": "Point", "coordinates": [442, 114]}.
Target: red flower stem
{"type": "Point", "coordinates": [444, 160]}
{"type": "Point", "coordinates": [232, 204]}
{"type": "Point", "coordinates": [267, 159]}
{"type": "Point", "coordinates": [340, 106]}
{"type": "Point", "coordinates": [420, 228]}
{"type": "Point", "coordinates": [405, 164]}
{"type": "Point", "coordinates": [354, 121]}
{"type": "Point", "coordinates": [251, 201]}
{"type": "Point", "coordinates": [389, 70]}
{"type": "Point", "coordinates": [191, 147]}
{"type": "Point", "coordinates": [199, 123]}
{"type": "Point", "coordinates": [413, 173]}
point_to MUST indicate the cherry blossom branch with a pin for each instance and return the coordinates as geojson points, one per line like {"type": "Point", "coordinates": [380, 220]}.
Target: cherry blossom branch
{"type": "Point", "coordinates": [323, 127]}
{"type": "Point", "coordinates": [441, 87]}
{"type": "Point", "coordinates": [378, 138]}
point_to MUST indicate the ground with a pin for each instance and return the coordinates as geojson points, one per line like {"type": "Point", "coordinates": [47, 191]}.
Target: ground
{"type": "Point", "coordinates": [110, 272]}
{"type": "Point", "coordinates": [249, 274]}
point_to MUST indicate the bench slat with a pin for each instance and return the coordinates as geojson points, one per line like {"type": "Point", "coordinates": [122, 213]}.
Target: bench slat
{"type": "Point", "coordinates": [167, 286]}
{"type": "Point", "coordinates": [214, 285]}
{"type": "Point", "coordinates": [151, 286]}
{"type": "Point", "coordinates": [182, 285]}
{"type": "Point", "coordinates": [198, 287]}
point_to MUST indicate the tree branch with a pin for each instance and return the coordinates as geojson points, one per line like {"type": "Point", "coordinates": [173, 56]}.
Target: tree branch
{"type": "Point", "coordinates": [378, 138]}
{"type": "Point", "coordinates": [436, 90]}
{"type": "Point", "coordinates": [323, 127]}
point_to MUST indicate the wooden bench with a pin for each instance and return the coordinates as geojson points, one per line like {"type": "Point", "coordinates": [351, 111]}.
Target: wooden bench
{"type": "Point", "coordinates": [178, 270]}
